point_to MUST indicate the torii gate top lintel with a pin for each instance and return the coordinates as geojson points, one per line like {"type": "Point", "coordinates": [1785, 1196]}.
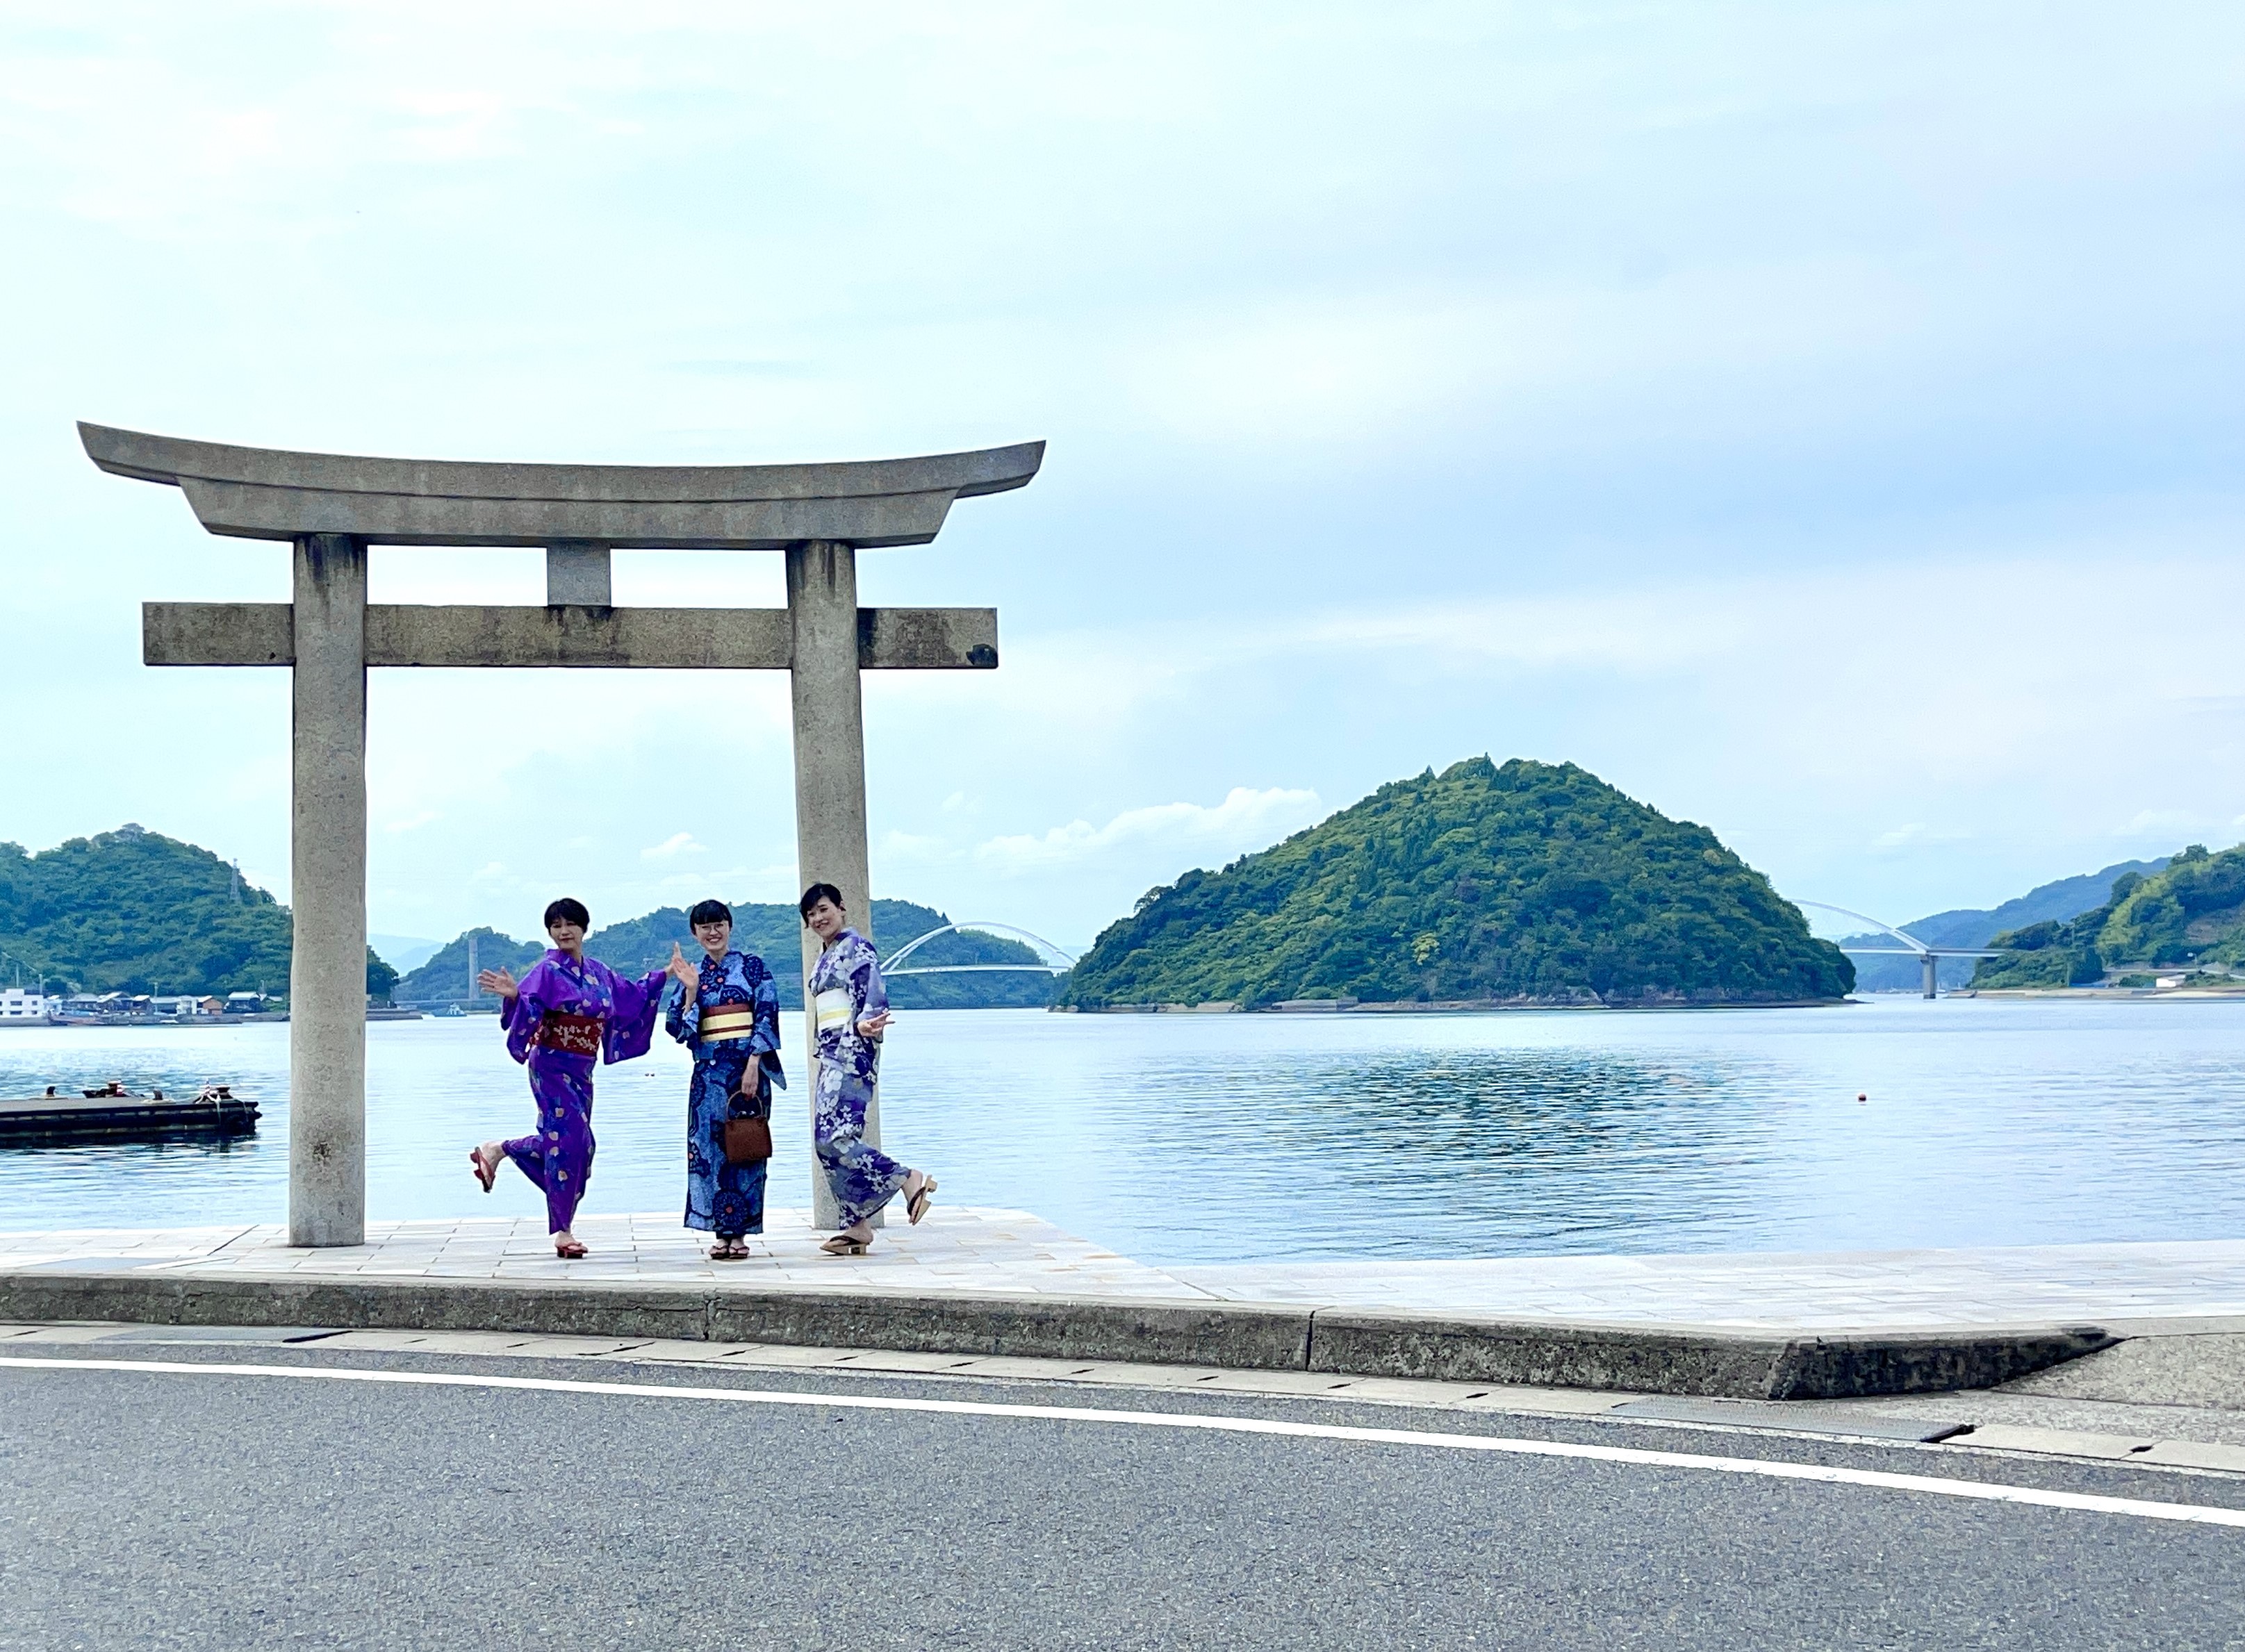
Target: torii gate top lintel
{"type": "Point", "coordinates": [271, 493]}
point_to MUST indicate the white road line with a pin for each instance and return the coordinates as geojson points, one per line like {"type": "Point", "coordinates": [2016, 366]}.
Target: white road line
{"type": "Point", "coordinates": [1979, 1490]}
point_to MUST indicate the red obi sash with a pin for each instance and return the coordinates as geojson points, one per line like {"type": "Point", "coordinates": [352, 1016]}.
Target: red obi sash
{"type": "Point", "coordinates": [570, 1034]}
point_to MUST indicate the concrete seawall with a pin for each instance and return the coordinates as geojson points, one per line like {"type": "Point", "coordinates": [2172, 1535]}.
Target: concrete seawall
{"type": "Point", "coordinates": [1678, 1359]}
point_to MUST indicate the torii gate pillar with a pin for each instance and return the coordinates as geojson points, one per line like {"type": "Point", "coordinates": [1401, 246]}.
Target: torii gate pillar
{"type": "Point", "coordinates": [330, 507]}
{"type": "Point", "coordinates": [327, 892]}
{"type": "Point", "coordinates": [831, 832]}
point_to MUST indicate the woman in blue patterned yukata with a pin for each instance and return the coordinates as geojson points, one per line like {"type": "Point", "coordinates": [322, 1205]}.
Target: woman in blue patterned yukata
{"type": "Point", "coordinates": [851, 1005]}
{"type": "Point", "coordinates": [566, 1015]}
{"type": "Point", "coordinates": [726, 1009]}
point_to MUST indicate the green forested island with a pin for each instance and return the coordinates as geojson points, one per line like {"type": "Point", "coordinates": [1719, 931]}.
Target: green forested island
{"type": "Point", "coordinates": [775, 933]}
{"type": "Point", "coordinates": [2191, 913]}
{"type": "Point", "coordinates": [1531, 882]}
{"type": "Point", "coordinates": [132, 911]}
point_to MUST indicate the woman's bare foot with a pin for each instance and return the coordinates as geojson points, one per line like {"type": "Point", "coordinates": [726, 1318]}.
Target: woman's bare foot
{"type": "Point", "coordinates": [567, 1246]}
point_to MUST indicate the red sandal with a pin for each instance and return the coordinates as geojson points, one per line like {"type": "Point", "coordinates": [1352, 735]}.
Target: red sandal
{"type": "Point", "coordinates": [486, 1174]}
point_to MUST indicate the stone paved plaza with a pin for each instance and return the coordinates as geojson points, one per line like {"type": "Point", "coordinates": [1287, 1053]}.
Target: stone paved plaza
{"type": "Point", "coordinates": [985, 1251]}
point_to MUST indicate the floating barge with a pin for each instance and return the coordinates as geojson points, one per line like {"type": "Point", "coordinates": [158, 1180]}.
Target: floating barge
{"type": "Point", "coordinates": [114, 1113]}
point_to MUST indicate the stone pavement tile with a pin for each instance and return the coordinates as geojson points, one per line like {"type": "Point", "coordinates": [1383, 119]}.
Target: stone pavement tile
{"type": "Point", "coordinates": [918, 1364]}
{"type": "Point", "coordinates": [20, 1335]}
{"type": "Point", "coordinates": [1177, 1376]}
{"type": "Point", "coordinates": [1039, 1370]}
{"type": "Point", "coordinates": [1314, 1384]}
{"type": "Point", "coordinates": [572, 1347]}
{"type": "Point", "coordinates": [2060, 1442]}
{"type": "Point", "coordinates": [1587, 1402]}
{"type": "Point", "coordinates": [385, 1341]}
{"type": "Point", "coordinates": [2191, 1454]}
{"type": "Point", "coordinates": [780, 1357]}
{"type": "Point", "coordinates": [672, 1351]}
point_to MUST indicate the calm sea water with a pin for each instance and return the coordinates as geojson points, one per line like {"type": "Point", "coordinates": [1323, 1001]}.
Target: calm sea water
{"type": "Point", "coordinates": [1233, 1138]}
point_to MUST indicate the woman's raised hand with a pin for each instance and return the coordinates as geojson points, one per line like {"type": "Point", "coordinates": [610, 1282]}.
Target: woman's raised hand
{"type": "Point", "coordinates": [689, 975]}
{"type": "Point", "coordinates": [500, 981]}
{"type": "Point", "coordinates": [873, 1026]}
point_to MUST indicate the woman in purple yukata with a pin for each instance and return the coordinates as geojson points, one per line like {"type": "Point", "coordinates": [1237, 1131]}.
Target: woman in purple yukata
{"type": "Point", "coordinates": [567, 1014]}
{"type": "Point", "coordinates": [851, 1004]}
{"type": "Point", "coordinates": [726, 1009]}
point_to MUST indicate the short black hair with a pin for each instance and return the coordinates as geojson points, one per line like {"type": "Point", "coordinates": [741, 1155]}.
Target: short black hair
{"type": "Point", "coordinates": [709, 912]}
{"type": "Point", "coordinates": [570, 908]}
{"type": "Point", "coordinates": [817, 893]}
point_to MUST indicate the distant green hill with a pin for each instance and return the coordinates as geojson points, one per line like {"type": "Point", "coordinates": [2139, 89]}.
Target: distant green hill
{"type": "Point", "coordinates": [773, 932]}
{"type": "Point", "coordinates": [134, 911]}
{"type": "Point", "coordinates": [2067, 898]}
{"type": "Point", "coordinates": [2191, 913]}
{"type": "Point", "coordinates": [1531, 882]}
{"type": "Point", "coordinates": [446, 974]}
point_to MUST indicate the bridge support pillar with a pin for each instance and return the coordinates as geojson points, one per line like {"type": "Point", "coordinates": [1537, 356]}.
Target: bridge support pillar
{"type": "Point", "coordinates": [1931, 965]}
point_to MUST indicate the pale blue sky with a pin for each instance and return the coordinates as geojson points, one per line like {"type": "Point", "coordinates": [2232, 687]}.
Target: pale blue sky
{"type": "Point", "coordinates": [1822, 422]}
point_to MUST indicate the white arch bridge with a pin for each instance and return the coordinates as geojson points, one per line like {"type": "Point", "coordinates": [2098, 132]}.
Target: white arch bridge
{"type": "Point", "coordinates": [1930, 956]}
{"type": "Point", "coordinates": [1038, 942]}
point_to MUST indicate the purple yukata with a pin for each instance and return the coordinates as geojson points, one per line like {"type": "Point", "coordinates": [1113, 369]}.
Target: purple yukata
{"type": "Point", "coordinates": [846, 988]}
{"type": "Point", "coordinates": [565, 1017]}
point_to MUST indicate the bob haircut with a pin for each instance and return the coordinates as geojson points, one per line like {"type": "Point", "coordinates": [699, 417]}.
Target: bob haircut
{"type": "Point", "coordinates": [571, 909]}
{"type": "Point", "coordinates": [709, 912]}
{"type": "Point", "coordinates": [817, 893]}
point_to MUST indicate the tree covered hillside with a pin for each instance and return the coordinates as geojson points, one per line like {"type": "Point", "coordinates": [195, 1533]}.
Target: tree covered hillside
{"type": "Point", "coordinates": [1529, 882]}
{"type": "Point", "coordinates": [2059, 901]}
{"type": "Point", "coordinates": [2193, 912]}
{"type": "Point", "coordinates": [444, 975]}
{"type": "Point", "coordinates": [132, 911]}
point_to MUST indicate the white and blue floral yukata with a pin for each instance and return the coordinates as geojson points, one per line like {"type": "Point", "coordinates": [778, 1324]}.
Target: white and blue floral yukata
{"type": "Point", "coordinates": [846, 988]}
{"type": "Point", "coordinates": [731, 1023]}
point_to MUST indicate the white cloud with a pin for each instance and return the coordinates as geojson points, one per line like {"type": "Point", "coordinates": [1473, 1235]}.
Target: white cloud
{"type": "Point", "coordinates": [2162, 823]}
{"type": "Point", "coordinates": [1914, 836]}
{"type": "Point", "coordinates": [673, 846]}
{"type": "Point", "coordinates": [910, 848]}
{"type": "Point", "coordinates": [413, 822]}
{"type": "Point", "coordinates": [1245, 819]}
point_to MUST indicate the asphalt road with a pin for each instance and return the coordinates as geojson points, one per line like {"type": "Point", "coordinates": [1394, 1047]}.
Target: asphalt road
{"type": "Point", "coordinates": [201, 1509]}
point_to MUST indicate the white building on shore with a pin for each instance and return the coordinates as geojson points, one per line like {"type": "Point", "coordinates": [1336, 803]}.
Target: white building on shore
{"type": "Point", "coordinates": [27, 1009]}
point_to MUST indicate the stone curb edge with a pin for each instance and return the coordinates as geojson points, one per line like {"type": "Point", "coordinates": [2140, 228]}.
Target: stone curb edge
{"type": "Point", "coordinates": [1701, 1361]}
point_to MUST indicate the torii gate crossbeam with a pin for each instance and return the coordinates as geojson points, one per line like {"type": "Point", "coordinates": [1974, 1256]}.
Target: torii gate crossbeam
{"type": "Point", "coordinates": [332, 507]}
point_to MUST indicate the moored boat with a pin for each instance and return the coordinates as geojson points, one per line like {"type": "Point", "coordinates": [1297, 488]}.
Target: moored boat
{"type": "Point", "coordinates": [115, 1114]}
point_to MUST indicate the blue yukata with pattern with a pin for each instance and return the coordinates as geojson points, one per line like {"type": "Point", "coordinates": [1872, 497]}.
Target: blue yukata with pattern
{"type": "Point", "coordinates": [733, 1079]}
{"type": "Point", "coordinates": [557, 1156]}
{"type": "Point", "coordinates": [846, 988]}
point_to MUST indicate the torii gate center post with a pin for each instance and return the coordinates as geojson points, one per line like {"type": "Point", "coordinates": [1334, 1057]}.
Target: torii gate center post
{"type": "Point", "coordinates": [330, 507]}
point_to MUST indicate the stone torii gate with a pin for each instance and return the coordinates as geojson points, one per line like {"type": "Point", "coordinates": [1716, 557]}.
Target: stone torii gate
{"type": "Point", "coordinates": [330, 507]}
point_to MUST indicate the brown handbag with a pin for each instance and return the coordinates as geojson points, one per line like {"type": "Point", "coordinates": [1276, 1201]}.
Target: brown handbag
{"type": "Point", "coordinates": [747, 1140]}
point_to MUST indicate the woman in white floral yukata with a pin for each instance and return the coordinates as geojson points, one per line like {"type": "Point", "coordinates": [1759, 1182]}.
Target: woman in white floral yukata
{"type": "Point", "coordinates": [851, 1005]}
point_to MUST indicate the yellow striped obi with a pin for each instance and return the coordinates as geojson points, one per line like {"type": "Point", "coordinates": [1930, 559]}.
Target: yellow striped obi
{"type": "Point", "coordinates": [722, 1021]}
{"type": "Point", "coordinates": [830, 1010]}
